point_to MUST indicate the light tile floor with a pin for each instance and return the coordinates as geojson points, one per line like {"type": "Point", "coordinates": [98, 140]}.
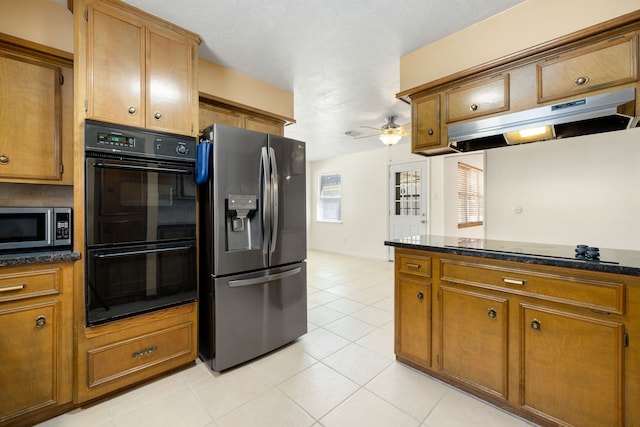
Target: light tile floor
{"type": "Point", "coordinates": [341, 373]}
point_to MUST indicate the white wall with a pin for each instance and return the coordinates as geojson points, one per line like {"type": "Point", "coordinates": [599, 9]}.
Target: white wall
{"type": "Point", "coordinates": [365, 214]}
{"type": "Point", "coordinates": [580, 190]}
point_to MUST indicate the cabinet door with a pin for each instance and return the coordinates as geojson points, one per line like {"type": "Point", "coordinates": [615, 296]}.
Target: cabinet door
{"type": "Point", "coordinates": [210, 114]}
{"type": "Point", "coordinates": [572, 367]}
{"type": "Point", "coordinates": [262, 125]}
{"type": "Point", "coordinates": [474, 330]}
{"type": "Point", "coordinates": [413, 320]}
{"type": "Point", "coordinates": [425, 119]}
{"type": "Point", "coordinates": [28, 372]}
{"type": "Point", "coordinates": [477, 99]}
{"type": "Point", "coordinates": [595, 67]}
{"type": "Point", "coordinates": [115, 77]}
{"type": "Point", "coordinates": [30, 119]}
{"type": "Point", "coordinates": [169, 78]}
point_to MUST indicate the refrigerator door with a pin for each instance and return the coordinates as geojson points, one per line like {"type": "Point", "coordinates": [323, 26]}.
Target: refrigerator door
{"type": "Point", "coordinates": [232, 206]}
{"type": "Point", "coordinates": [289, 235]}
{"type": "Point", "coordinates": [256, 313]}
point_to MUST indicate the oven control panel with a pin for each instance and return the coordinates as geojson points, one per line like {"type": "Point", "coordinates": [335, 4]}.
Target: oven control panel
{"type": "Point", "coordinates": [119, 139]}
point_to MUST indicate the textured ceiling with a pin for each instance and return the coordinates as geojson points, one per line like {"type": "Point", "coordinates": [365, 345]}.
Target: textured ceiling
{"type": "Point", "coordinates": [341, 58]}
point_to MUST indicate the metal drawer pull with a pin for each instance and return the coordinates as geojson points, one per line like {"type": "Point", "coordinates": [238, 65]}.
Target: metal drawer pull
{"type": "Point", "coordinates": [412, 265]}
{"type": "Point", "coordinates": [420, 296]}
{"type": "Point", "coordinates": [535, 325]}
{"type": "Point", "coordinates": [40, 322]}
{"type": "Point", "coordinates": [492, 313]}
{"type": "Point", "coordinates": [4, 159]}
{"type": "Point", "coordinates": [581, 81]}
{"type": "Point", "coordinates": [145, 351]}
{"type": "Point", "coordinates": [474, 107]}
{"type": "Point", "coordinates": [514, 281]}
{"type": "Point", "coordinates": [13, 287]}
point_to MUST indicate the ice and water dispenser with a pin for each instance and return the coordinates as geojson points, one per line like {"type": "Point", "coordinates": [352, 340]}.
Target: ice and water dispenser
{"type": "Point", "coordinates": [241, 235]}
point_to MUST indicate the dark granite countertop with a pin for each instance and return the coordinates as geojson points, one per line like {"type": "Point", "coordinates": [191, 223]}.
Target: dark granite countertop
{"type": "Point", "coordinates": [42, 257]}
{"type": "Point", "coordinates": [619, 261]}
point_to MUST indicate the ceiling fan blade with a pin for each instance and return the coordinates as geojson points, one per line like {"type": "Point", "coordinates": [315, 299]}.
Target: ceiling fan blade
{"type": "Point", "coordinates": [369, 127]}
{"type": "Point", "coordinates": [364, 136]}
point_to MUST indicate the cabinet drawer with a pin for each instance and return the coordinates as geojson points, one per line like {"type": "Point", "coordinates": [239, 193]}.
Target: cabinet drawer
{"type": "Point", "coordinates": [27, 284]}
{"type": "Point", "coordinates": [586, 292]}
{"type": "Point", "coordinates": [119, 359]}
{"type": "Point", "coordinates": [413, 264]}
{"type": "Point", "coordinates": [596, 67]}
{"type": "Point", "coordinates": [484, 97]}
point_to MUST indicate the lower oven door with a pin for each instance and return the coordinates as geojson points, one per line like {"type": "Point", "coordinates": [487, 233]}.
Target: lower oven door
{"type": "Point", "coordinates": [129, 280]}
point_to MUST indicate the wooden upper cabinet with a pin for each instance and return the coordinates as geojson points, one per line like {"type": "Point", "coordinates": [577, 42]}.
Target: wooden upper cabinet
{"type": "Point", "coordinates": [259, 124]}
{"type": "Point", "coordinates": [210, 114]}
{"type": "Point", "coordinates": [30, 119]}
{"type": "Point", "coordinates": [594, 67]}
{"type": "Point", "coordinates": [138, 74]}
{"type": "Point", "coordinates": [425, 122]}
{"type": "Point", "coordinates": [486, 96]}
{"type": "Point", "coordinates": [169, 77]}
{"type": "Point", "coordinates": [227, 115]}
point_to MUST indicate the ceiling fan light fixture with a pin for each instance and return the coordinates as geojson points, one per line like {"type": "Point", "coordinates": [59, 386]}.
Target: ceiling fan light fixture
{"type": "Point", "coordinates": [390, 138]}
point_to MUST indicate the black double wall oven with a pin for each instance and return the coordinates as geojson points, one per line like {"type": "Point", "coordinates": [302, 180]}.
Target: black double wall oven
{"type": "Point", "coordinates": [140, 221]}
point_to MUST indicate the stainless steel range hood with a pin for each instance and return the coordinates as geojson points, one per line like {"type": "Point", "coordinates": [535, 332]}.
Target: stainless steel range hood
{"type": "Point", "coordinates": [594, 114]}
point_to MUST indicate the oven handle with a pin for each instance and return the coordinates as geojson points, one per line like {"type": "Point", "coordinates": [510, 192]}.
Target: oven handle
{"type": "Point", "coordinates": [141, 168]}
{"type": "Point", "coordinates": [145, 251]}
{"type": "Point", "coordinates": [263, 279]}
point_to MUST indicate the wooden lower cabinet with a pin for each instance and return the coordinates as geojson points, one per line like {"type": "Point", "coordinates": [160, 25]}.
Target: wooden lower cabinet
{"type": "Point", "coordinates": [528, 338]}
{"type": "Point", "coordinates": [572, 367]}
{"type": "Point", "coordinates": [124, 353]}
{"type": "Point", "coordinates": [473, 333]}
{"type": "Point", "coordinates": [36, 342]}
{"type": "Point", "coordinates": [413, 323]}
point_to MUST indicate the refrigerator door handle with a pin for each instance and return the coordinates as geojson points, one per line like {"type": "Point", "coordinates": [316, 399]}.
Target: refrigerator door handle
{"type": "Point", "coordinates": [266, 216]}
{"type": "Point", "coordinates": [274, 199]}
{"type": "Point", "coordinates": [263, 279]}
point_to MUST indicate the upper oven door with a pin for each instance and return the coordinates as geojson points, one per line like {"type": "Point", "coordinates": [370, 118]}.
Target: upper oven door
{"type": "Point", "coordinates": [139, 201]}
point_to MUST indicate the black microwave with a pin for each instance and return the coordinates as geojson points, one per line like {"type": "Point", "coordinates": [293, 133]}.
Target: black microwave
{"type": "Point", "coordinates": [34, 228]}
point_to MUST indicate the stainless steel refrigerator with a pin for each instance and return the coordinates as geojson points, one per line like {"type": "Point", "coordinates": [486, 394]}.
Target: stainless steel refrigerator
{"type": "Point", "coordinates": [252, 290]}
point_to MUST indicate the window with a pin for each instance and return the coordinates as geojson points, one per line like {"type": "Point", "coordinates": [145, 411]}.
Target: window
{"type": "Point", "coordinates": [470, 196]}
{"type": "Point", "coordinates": [407, 193]}
{"type": "Point", "coordinates": [329, 197]}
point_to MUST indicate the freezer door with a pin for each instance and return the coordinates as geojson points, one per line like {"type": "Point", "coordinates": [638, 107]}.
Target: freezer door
{"type": "Point", "coordinates": [257, 313]}
{"type": "Point", "coordinates": [289, 235]}
{"type": "Point", "coordinates": [233, 211]}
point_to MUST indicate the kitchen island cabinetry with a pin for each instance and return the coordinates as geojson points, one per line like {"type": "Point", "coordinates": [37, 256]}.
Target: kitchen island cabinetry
{"type": "Point", "coordinates": [413, 305]}
{"type": "Point", "coordinates": [549, 340]}
{"type": "Point", "coordinates": [138, 72]}
{"type": "Point", "coordinates": [36, 342]}
{"type": "Point", "coordinates": [36, 108]}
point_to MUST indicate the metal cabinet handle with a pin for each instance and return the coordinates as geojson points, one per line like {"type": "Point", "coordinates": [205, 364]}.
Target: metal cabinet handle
{"type": "Point", "coordinates": [157, 115]}
{"type": "Point", "coordinates": [492, 313]}
{"type": "Point", "coordinates": [132, 110]}
{"type": "Point", "coordinates": [10, 288]}
{"type": "Point", "coordinates": [430, 131]}
{"type": "Point", "coordinates": [4, 159]}
{"type": "Point", "coordinates": [420, 296]}
{"type": "Point", "coordinates": [474, 107]}
{"type": "Point", "coordinates": [514, 281]}
{"type": "Point", "coordinates": [535, 325]}
{"type": "Point", "coordinates": [41, 321]}
{"type": "Point", "coordinates": [412, 265]}
{"type": "Point", "coordinates": [144, 351]}
{"type": "Point", "coordinates": [582, 80]}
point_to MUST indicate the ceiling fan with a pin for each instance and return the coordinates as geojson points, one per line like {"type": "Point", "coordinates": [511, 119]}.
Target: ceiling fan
{"type": "Point", "coordinates": [391, 132]}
